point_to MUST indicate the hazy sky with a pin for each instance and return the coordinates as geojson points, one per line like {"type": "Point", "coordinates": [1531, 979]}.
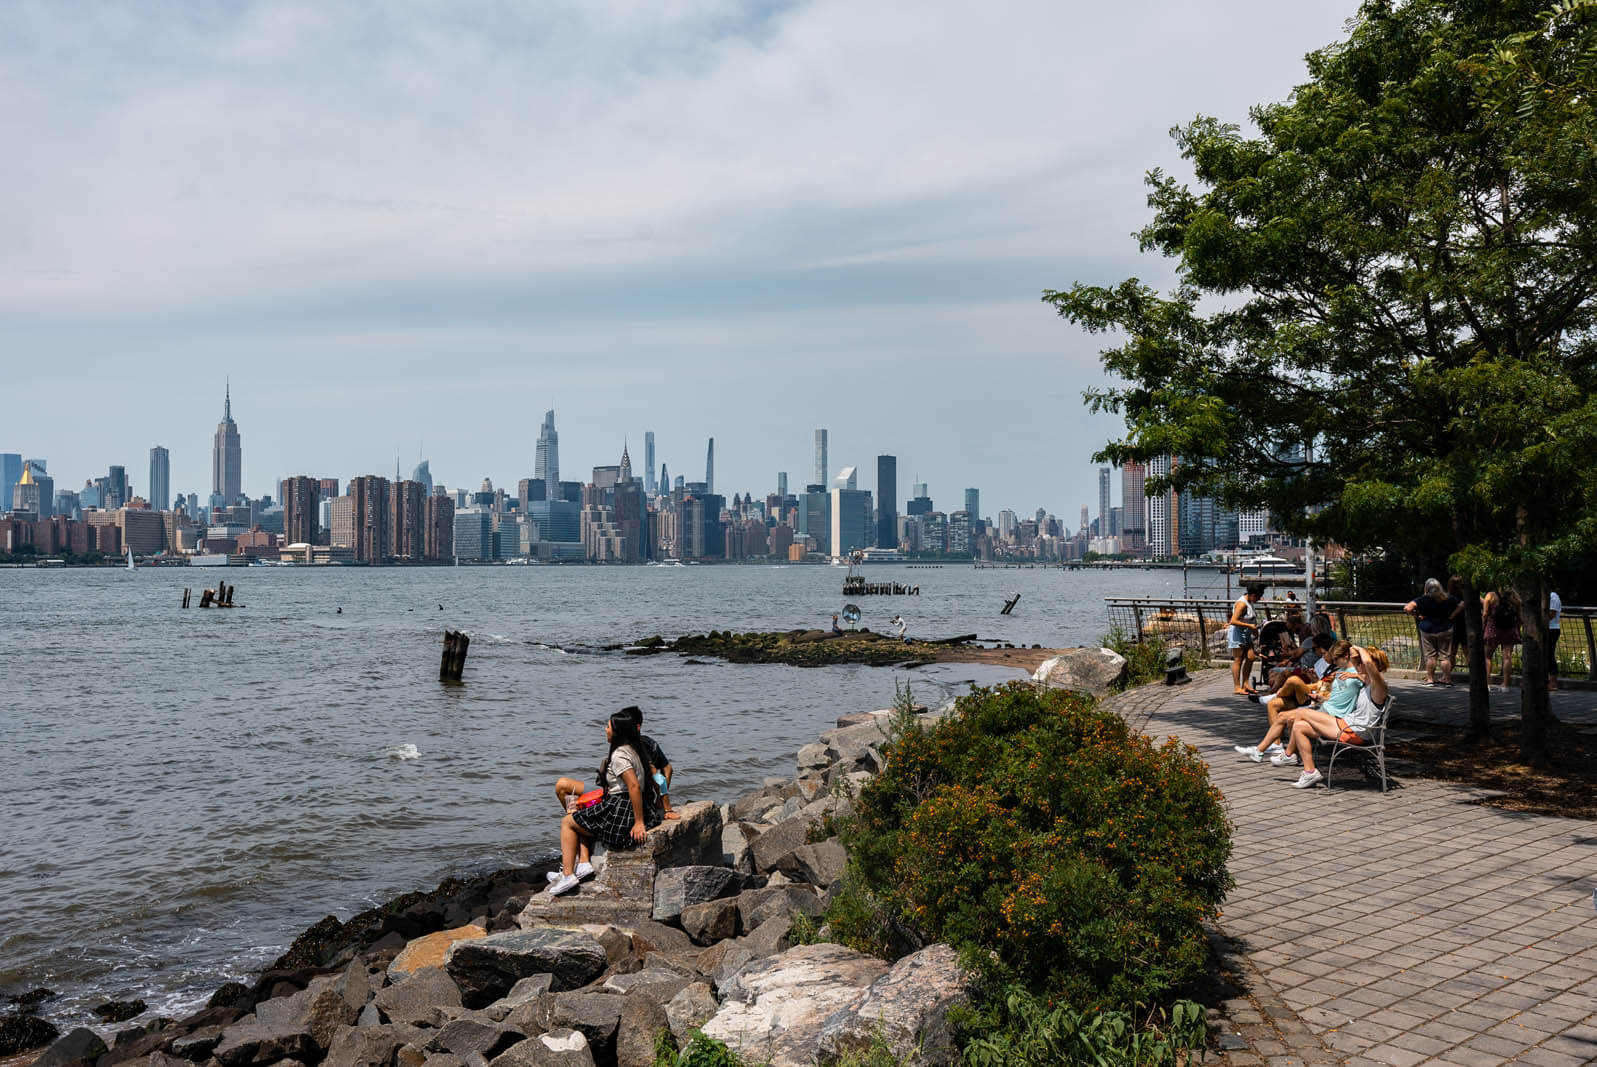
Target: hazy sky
{"type": "Point", "coordinates": [417, 226]}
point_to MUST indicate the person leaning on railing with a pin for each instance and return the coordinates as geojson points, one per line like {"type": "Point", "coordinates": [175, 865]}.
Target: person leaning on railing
{"type": "Point", "coordinates": [1436, 610]}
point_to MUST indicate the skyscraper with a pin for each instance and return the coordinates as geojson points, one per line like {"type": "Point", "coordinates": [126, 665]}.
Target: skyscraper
{"type": "Point", "coordinates": [10, 475]}
{"type": "Point", "coordinates": [887, 501]}
{"type": "Point", "coordinates": [781, 483]}
{"type": "Point", "coordinates": [160, 479]}
{"type": "Point", "coordinates": [820, 457]}
{"type": "Point", "coordinates": [423, 474]}
{"type": "Point", "coordinates": [1133, 506]}
{"type": "Point", "coordinates": [1162, 538]}
{"type": "Point", "coordinates": [1103, 502]}
{"type": "Point", "coordinates": [973, 506]}
{"type": "Point", "coordinates": [46, 486]}
{"type": "Point", "coordinates": [301, 500]}
{"type": "Point", "coordinates": [546, 464]}
{"type": "Point", "coordinates": [648, 462]}
{"type": "Point", "coordinates": [117, 490]}
{"type": "Point", "coordinates": [709, 468]}
{"type": "Point", "coordinates": [226, 455]}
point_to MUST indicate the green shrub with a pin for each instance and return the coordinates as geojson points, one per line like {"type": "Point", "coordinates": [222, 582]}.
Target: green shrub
{"type": "Point", "coordinates": [1145, 659]}
{"type": "Point", "coordinates": [1049, 842]}
{"type": "Point", "coordinates": [1028, 1033]}
{"type": "Point", "coordinates": [701, 1052]}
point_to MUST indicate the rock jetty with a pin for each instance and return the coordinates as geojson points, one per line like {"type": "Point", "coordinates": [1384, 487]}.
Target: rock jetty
{"type": "Point", "coordinates": [710, 925]}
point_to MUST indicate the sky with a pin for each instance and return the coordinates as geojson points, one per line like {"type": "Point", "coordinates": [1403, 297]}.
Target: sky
{"type": "Point", "coordinates": [410, 229]}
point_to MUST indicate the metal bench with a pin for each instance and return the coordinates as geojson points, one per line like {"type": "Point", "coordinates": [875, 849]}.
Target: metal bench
{"type": "Point", "coordinates": [1375, 746]}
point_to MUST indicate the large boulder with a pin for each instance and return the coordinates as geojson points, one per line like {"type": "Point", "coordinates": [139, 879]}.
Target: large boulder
{"type": "Point", "coordinates": [776, 1009]}
{"type": "Point", "coordinates": [757, 906]}
{"type": "Point", "coordinates": [819, 864]}
{"type": "Point", "coordinates": [711, 921]}
{"type": "Point", "coordinates": [775, 847]}
{"type": "Point", "coordinates": [642, 1018]}
{"type": "Point", "coordinates": [721, 962]}
{"type": "Point", "coordinates": [656, 983]}
{"type": "Point", "coordinates": [19, 1032]}
{"type": "Point", "coordinates": [689, 1010]}
{"type": "Point", "coordinates": [677, 887]}
{"type": "Point", "coordinates": [364, 1046]}
{"type": "Point", "coordinates": [429, 951]}
{"type": "Point", "coordinates": [907, 1008]}
{"type": "Point", "coordinates": [418, 998]}
{"type": "Point", "coordinates": [812, 758]}
{"type": "Point", "coordinates": [596, 1016]}
{"type": "Point", "coordinates": [523, 992]}
{"type": "Point", "coordinates": [486, 968]}
{"type": "Point", "coordinates": [77, 1048]}
{"type": "Point", "coordinates": [320, 1010]}
{"type": "Point", "coordinates": [250, 1040]}
{"type": "Point", "coordinates": [857, 748]}
{"type": "Point", "coordinates": [557, 1048]}
{"type": "Point", "coordinates": [1086, 670]}
{"type": "Point", "coordinates": [468, 1037]}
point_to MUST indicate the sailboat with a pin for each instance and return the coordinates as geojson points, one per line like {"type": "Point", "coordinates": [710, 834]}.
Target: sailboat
{"type": "Point", "coordinates": [130, 557]}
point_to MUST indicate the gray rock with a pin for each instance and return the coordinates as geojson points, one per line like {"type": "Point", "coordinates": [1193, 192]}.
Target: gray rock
{"type": "Point", "coordinates": [751, 807]}
{"type": "Point", "coordinates": [364, 1046]}
{"type": "Point", "coordinates": [907, 1008]}
{"type": "Point", "coordinates": [197, 1046]}
{"type": "Point", "coordinates": [759, 906]}
{"type": "Point", "coordinates": [76, 1048]}
{"type": "Point", "coordinates": [1086, 670]}
{"type": "Point", "coordinates": [617, 945]}
{"type": "Point", "coordinates": [774, 848]}
{"type": "Point", "coordinates": [642, 1018]}
{"type": "Point", "coordinates": [649, 937]}
{"type": "Point", "coordinates": [820, 864]}
{"type": "Point", "coordinates": [714, 920]}
{"type": "Point", "coordinates": [369, 1016]}
{"type": "Point", "coordinates": [721, 962]}
{"type": "Point", "coordinates": [770, 937]}
{"type": "Point", "coordinates": [813, 757]}
{"type": "Point", "coordinates": [678, 887]}
{"type": "Point", "coordinates": [355, 985]}
{"type": "Point", "coordinates": [656, 983]}
{"type": "Point", "coordinates": [250, 1040]}
{"type": "Point", "coordinates": [557, 1048]}
{"type": "Point", "coordinates": [779, 1006]}
{"type": "Point", "coordinates": [418, 997]}
{"type": "Point", "coordinates": [857, 748]}
{"type": "Point", "coordinates": [811, 786]}
{"type": "Point", "coordinates": [155, 1059]}
{"type": "Point", "coordinates": [319, 1010]}
{"type": "Point", "coordinates": [689, 1010]}
{"type": "Point", "coordinates": [595, 1016]}
{"type": "Point", "coordinates": [486, 968]}
{"type": "Point", "coordinates": [467, 1036]}
{"type": "Point", "coordinates": [523, 992]}
{"type": "Point", "coordinates": [737, 847]}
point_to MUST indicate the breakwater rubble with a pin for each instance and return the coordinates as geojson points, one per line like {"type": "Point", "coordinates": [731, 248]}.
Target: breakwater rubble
{"type": "Point", "coordinates": [710, 925]}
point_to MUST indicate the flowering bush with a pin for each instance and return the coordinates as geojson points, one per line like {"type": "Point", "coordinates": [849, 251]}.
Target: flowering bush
{"type": "Point", "coordinates": [1073, 856]}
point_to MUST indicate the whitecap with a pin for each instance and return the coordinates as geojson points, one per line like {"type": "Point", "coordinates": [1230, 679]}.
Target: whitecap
{"type": "Point", "coordinates": [404, 752]}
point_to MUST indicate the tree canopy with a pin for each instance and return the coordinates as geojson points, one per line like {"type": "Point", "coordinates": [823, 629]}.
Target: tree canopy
{"type": "Point", "coordinates": [1398, 270]}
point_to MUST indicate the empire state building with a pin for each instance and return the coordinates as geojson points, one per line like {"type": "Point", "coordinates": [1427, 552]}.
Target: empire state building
{"type": "Point", "coordinates": [226, 456]}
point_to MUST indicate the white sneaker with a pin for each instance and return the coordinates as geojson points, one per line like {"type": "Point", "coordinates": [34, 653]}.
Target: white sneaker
{"type": "Point", "coordinates": [1274, 749]}
{"type": "Point", "coordinates": [1285, 759]}
{"type": "Point", "coordinates": [563, 884]}
{"type": "Point", "coordinates": [1250, 751]}
{"type": "Point", "coordinates": [1308, 778]}
{"type": "Point", "coordinates": [583, 871]}
{"type": "Point", "coordinates": [553, 876]}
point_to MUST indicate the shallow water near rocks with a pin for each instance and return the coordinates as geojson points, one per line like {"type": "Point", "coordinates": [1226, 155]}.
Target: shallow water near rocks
{"type": "Point", "coordinates": [188, 790]}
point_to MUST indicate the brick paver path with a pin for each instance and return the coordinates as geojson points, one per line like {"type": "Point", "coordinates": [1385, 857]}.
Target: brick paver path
{"type": "Point", "coordinates": [1406, 928]}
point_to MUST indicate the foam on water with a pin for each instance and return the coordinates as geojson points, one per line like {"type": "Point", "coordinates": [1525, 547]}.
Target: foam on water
{"type": "Point", "coordinates": [404, 752]}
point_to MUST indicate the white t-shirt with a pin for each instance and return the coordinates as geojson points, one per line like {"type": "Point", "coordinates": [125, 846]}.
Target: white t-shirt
{"type": "Point", "coordinates": [1555, 611]}
{"type": "Point", "coordinates": [621, 760]}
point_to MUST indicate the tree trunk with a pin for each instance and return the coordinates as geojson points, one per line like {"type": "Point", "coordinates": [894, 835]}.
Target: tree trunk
{"type": "Point", "coordinates": [1535, 711]}
{"type": "Point", "coordinates": [1480, 701]}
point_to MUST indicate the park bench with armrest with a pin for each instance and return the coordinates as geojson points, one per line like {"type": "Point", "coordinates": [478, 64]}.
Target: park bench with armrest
{"type": "Point", "coordinates": [1375, 747]}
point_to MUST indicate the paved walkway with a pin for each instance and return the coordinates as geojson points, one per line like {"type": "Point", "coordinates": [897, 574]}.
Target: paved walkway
{"type": "Point", "coordinates": [1406, 928]}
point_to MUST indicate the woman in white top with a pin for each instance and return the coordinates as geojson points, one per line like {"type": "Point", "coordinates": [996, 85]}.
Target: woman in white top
{"type": "Point", "coordinates": [623, 815]}
{"type": "Point", "coordinates": [1350, 724]}
{"type": "Point", "coordinates": [1241, 635]}
{"type": "Point", "coordinates": [1555, 624]}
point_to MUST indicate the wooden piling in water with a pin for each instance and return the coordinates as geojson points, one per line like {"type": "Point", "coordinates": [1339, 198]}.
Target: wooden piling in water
{"type": "Point", "coordinates": [454, 658]}
{"type": "Point", "coordinates": [186, 597]}
{"type": "Point", "coordinates": [207, 597]}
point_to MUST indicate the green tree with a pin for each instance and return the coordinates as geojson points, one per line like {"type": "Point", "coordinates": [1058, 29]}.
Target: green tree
{"type": "Point", "coordinates": [1382, 324]}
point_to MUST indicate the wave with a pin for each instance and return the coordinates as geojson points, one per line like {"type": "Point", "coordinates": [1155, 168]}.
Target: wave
{"type": "Point", "coordinates": [404, 752]}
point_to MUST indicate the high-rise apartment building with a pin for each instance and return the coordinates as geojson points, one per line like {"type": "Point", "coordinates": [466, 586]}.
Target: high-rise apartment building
{"type": "Point", "coordinates": [301, 499]}
{"type": "Point", "coordinates": [820, 457]}
{"type": "Point", "coordinates": [851, 521]}
{"type": "Point", "coordinates": [160, 478]}
{"type": "Point", "coordinates": [440, 536]}
{"type": "Point", "coordinates": [373, 534]}
{"type": "Point", "coordinates": [1133, 506]}
{"type": "Point", "coordinates": [887, 501]}
{"type": "Point", "coordinates": [1104, 474]}
{"type": "Point", "coordinates": [546, 462]}
{"type": "Point", "coordinates": [709, 468]}
{"type": "Point", "coordinates": [1162, 540]}
{"type": "Point", "coordinates": [781, 483]}
{"type": "Point", "coordinates": [227, 455]}
{"type": "Point", "coordinates": [972, 507]}
{"type": "Point", "coordinates": [648, 462]}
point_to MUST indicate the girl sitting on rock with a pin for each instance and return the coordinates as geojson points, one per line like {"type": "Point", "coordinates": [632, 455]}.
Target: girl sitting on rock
{"type": "Point", "coordinates": [627, 808]}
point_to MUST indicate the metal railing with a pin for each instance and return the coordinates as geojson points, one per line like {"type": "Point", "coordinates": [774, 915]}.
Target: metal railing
{"type": "Point", "coordinates": [1202, 624]}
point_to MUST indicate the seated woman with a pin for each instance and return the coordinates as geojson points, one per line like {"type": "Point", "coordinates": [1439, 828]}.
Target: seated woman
{"type": "Point", "coordinates": [628, 808]}
{"type": "Point", "coordinates": [1351, 726]}
{"type": "Point", "coordinates": [1296, 693]}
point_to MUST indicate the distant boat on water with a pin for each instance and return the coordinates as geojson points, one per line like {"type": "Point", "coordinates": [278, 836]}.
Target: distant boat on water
{"type": "Point", "coordinates": [130, 556]}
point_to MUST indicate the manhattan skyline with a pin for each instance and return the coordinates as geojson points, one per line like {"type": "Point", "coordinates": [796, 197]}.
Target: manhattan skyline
{"type": "Point", "coordinates": [719, 224]}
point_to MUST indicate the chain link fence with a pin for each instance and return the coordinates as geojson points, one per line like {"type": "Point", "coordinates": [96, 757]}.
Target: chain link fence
{"type": "Point", "coordinates": [1201, 624]}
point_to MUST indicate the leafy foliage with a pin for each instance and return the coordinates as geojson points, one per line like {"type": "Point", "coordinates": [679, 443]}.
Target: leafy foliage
{"type": "Point", "coordinates": [1031, 1034]}
{"type": "Point", "coordinates": [1383, 324]}
{"type": "Point", "coordinates": [1058, 848]}
{"type": "Point", "coordinates": [1145, 659]}
{"type": "Point", "coordinates": [701, 1051]}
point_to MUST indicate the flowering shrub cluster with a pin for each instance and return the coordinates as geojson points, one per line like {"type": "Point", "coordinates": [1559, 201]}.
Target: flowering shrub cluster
{"type": "Point", "coordinates": [1077, 858]}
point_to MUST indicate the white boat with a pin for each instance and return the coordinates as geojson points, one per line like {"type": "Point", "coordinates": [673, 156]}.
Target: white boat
{"type": "Point", "coordinates": [130, 556]}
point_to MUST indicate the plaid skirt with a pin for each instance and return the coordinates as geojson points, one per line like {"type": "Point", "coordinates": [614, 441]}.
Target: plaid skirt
{"type": "Point", "coordinates": [610, 820]}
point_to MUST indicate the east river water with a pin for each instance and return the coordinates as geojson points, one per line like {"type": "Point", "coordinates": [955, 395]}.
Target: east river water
{"type": "Point", "coordinates": [185, 791]}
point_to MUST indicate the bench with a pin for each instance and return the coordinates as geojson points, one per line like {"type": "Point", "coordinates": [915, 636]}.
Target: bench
{"type": "Point", "coordinates": [1375, 746]}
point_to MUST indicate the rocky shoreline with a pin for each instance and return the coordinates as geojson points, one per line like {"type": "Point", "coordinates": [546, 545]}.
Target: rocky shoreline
{"type": "Point", "coordinates": [821, 648]}
{"type": "Point", "coordinates": [711, 925]}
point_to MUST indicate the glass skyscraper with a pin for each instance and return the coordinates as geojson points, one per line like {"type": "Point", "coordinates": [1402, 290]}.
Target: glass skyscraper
{"type": "Point", "coordinates": [160, 479]}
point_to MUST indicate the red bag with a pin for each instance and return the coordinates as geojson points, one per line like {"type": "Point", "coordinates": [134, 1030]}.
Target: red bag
{"type": "Point", "coordinates": [590, 798]}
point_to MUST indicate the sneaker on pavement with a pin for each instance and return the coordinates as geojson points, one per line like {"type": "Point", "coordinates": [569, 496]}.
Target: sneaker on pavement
{"type": "Point", "coordinates": [1251, 752]}
{"type": "Point", "coordinates": [563, 884]}
{"type": "Point", "coordinates": [1308, 778]}
{"type": "Point", "coordinates": [1285, 759]}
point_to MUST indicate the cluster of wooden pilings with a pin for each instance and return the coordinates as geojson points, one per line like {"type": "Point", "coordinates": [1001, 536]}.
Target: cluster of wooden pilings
{"type": "Point", "coordinates": [454, 661]}
{"type": "Point", "coordinates": [860, 587]}
{"type": "Point", "coordinates": [220, 597]}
